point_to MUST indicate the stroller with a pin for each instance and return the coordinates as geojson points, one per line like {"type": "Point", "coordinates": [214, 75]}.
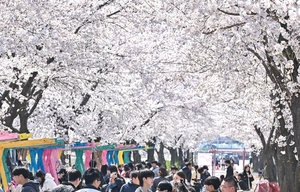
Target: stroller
{"type": "Point", "coordinates": [265, 185]}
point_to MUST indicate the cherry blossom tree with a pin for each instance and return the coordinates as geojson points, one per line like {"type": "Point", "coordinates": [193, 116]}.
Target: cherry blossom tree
{"type": "Point", "coordinates": [170, 72]}
{"type": "Point", "coordinates": [265, 32]}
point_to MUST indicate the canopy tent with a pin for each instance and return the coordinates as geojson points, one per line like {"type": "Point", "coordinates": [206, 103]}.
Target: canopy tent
{"type": "Point", "coordinates": [44, 153]}
{"type": "Point", "coordinates": [221, 144]}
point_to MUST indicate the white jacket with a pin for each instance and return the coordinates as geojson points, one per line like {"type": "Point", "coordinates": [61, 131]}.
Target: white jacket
{"type": "Point", "coordinates": [87, 190]}
{"type": "Point", "coordinates": [49, 183]}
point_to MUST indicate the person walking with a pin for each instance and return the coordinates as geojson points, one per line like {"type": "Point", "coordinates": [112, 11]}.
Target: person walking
{"type": "Point", "coordinates": [229, 170]}
{"type": "Point", "coordinates": [146, 178]}
{"type": "Point", "coordinates": [247, 177]}
{"type": "Point", "coordinates": [229, 185]}
{"type": "Point", "coordinates": [212, 184]}
{"type": "Point", "coordinates": [115, 183]}
{"type": "Point", "coordinates": [154, 168]}
{"type": "Point", "coordinates": [92, 180]}
{"type": "Point", "coordinates": [188, 172]}
{"type": "Point", "coordinates": [74, 179]}
{"type": "Point", "coordinates": [162, 173]}
{"type": "Point", "coordinates": [174, 169]}
{"type": "Point", "coordinates": [21, 177]}
{"type": "Point", "coordinates": [203, 175]}
{"type": "Point", "coordinates": [46, 181]}
{"type": "Point", "coordinates": [179, 184]}
{"type": "Point", "coordinates": [164, 186]}
{"type": "Point", "coordinates": [241, 184]}
{"type": "Point", "coordinates": [133, 184]}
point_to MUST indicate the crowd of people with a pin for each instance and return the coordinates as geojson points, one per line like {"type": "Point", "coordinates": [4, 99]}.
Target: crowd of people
{"type": "Point", "coordinates": [141, 177]}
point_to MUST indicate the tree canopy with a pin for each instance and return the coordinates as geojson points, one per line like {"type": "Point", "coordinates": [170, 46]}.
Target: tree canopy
{"type": "Point", "coordinates": [121, 70]}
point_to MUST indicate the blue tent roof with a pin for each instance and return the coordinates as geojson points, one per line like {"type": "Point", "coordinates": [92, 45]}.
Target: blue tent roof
{"type": "Point", "coordinates": [222, 143]}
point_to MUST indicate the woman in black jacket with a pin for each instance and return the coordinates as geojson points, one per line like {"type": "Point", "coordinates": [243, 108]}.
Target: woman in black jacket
{"type": "Point", "coordinates": [247, 177]}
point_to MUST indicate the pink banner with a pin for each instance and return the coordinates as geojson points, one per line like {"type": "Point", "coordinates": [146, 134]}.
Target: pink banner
{"type": "Point", "coordinates": [49, 161]}
{"type": "Point", "coordinates": [88, 158]}
{"type": "Point", "coordinates": [104, 160]}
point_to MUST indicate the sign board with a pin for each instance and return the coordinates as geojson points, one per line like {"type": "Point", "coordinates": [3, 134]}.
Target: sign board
{"type": "Point", "coordinates": [204, 159]}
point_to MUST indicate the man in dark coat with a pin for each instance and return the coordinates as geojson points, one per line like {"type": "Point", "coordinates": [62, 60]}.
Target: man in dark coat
{"type": "Point", "coordinates": [92, 181]}
{"type": "Point", "coordinates": [203, 175]}
{"type": "Point", "coordinates": [74, 178]}
{"type": "Point", "coordinates": [21, 177]}
{"type": "Point", "coordinates": [162, 173]}
{"type": "Point", "coordinates": [187, 171]}
{"type": "Point", "coordinates": [242, 185]}
{"type": "Point", "coordinates": [229, 171]}
{"type": "Point", "coordinates": [133, 184]}
{"type": "Point", "coordinates": [62, 176]}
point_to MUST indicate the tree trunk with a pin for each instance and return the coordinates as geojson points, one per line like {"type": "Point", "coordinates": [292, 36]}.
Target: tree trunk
{"type": "Point", "coordinates": [173, 153]}
{"type": "Point", "coordinates": [188, 154]}
{"type": "Point", "coordinates": [160, 154]}
{"type": "Point", "coordinates": [180, 156]}
{"type": "Point", "coordinates": [98, 157]}
{"type": "Point", "coordinates": [63, 158]}
{"type": "Point", "coordinates": [254, 162]}
{"type": "Point", "coordinates": [22, 153]}
{"type": "Point", "coordinates": [297, 177]}
{"type": "Point", "coordinates": [286, 166]}
{"type": "Point", "coordinates": [23, 122]}
{"type": "Point", "coordinates": [22, 109]}
{"type": "Point", "coordinates": [9, 119]}
{"type": "Point", "coordinates": [270, 172]}
{"type": "Point", "coordinates": [295, 109]}
{"type": "Point", "coordinates": [268, 152]}
{"type": "Point", "coordinates": [261, 162]}
{"type": "Point", "coordinates": [150, 152]}
{"type": "Point", "coordinates": [136, 157]}
{"type": "Point", "coordinates": [286, 162]}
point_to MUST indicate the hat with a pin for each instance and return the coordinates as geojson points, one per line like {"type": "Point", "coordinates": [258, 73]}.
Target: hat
{"type": "Point", "coordinates": [64, 171]}
{"type": "Point", "coordinates": [205, 167]}
{"type": "Point", "coordinates": [164, 185]}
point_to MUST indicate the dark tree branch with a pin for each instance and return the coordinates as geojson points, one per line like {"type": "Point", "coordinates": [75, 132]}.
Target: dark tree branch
{"type": "Point", "coordinates": [3, 96]}
{"type": "Point", "coordinates": [28, 84]}
{"type": "Point", "coordinates": [153, 113]}
{"type": "Point", "coordinates": [271, 133]}
{"type": "Point", "coordinates": [260, 134]}
{"type": "Point", "coordinates": [209, 32]}
{"type": "Point", "coordinates": [98, 8]}
{"type": "Point", "coordinates": [114, 13]}
{"type": "Point", "coordinates": [271, 71]}
{"type": "Point", "coordinates": [233, 25]}
{"type": "Point", "coordinates": [228, 13]}
{"type": "Point", "coordinates": [235, 14]}
{"type": "Point", "coordinates": [104, 4]}
{"type": "Point", "coordinates": [38, 98]}
{"type": "Point", "coordinates": [226, 27]}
